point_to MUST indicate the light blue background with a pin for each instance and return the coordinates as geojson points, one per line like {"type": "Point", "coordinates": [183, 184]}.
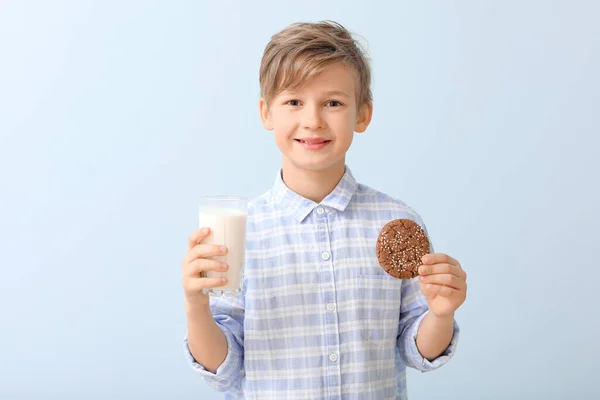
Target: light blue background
{"type": "Point", "coordinates": [115, 116]}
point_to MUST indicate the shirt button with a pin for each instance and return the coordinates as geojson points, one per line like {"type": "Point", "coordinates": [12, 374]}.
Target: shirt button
{"type": "Point", "coordinates": [333, 357]}
{"type": "Point", "coordinates": [330, 307]}
{"type": "Point", "coordinates": [325, 256]}
{"type": "Point", "coordinates": [320, 211]}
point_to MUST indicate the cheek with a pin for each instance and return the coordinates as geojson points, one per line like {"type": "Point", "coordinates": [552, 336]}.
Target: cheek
{"type": "Point", "coordinates": [282, 134]}
{"type": "Point", "coordinates": [345, 128]}
{"type": "Point", "coordinates": [283, 129]}
{"type": "Point", "coordinates": [280, 141]}
{"type": "Point", "coordinates": [345, 121]}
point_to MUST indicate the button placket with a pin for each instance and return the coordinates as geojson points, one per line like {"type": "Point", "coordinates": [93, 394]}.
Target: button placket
{"type": "Point", "coordinates": [329, 296]}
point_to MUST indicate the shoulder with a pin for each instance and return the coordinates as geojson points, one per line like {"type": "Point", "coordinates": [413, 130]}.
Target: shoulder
{"type": "Point", "coordinates": [388, 206]}
{"type": "Point", "coordinates": [259, 201]}
{"type": "Point", "coordinates": [259, 204]}
{"type": "Point", "coordinates": [384, 208]}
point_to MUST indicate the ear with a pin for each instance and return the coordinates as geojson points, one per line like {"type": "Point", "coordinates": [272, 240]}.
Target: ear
{"type": "Point", "coordinates": [363, 118]}
{"type": "Point", "coordinates": [265, 114]}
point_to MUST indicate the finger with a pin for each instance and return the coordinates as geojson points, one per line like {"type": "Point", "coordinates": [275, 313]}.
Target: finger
{"type": "Point", "coordinates": [439, 258]}
{"type": "Point", "coordinates": [444, 279]}
{"type": "Point", "coordinates": [199, 265]}
{"type": "Point", "coordinates": [431, 290]}
{"type": "Point", "coordinates": [197, 284]}
{"type": "Point", "coordinates": [443, 268]}
{"type": "Point", "coordinates": [203, 251]}
{"type": "Point", "coordinates": [197, 236]}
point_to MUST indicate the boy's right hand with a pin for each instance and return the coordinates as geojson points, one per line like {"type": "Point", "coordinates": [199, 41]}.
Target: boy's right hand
{"type": "Point", "coordinates": [195, 265]}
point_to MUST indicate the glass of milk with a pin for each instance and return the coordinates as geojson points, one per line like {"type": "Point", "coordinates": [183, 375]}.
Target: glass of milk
{"type": "Point", "coordinates": [226, 217]}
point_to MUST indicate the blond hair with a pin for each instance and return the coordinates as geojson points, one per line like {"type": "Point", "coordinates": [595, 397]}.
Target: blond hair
{"type": "Point", "coordinates": [302, 50]}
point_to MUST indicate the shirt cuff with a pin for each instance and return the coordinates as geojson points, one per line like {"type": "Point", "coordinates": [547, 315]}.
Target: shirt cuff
{"type": "Point", "coordinates": [229, 369]}
{"type": "Point", "coordinates": [415, 358]}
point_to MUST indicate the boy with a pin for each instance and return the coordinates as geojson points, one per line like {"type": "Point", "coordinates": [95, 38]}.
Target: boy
{"type": "Point", "coordinates": [318, 317]}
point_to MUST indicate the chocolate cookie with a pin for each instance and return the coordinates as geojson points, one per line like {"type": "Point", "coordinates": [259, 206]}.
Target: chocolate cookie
{"type": "Point", "coordinates": [400, 246]}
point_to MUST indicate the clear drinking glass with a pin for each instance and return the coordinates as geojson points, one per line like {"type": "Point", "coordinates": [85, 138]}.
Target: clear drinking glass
{"type": "Point", "coordinates": [226, 217]}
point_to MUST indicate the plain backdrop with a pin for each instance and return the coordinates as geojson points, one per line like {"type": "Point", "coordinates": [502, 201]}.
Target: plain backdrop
{"type": "Point", "coordinates": [115, 116]}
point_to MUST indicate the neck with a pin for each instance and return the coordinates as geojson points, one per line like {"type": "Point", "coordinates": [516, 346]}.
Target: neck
{"type": "Point", "coordinates": [313, 185]}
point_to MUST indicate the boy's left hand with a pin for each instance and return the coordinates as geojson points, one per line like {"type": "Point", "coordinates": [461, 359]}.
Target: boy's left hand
{"type": "Point", "coordinates": [443, 282]}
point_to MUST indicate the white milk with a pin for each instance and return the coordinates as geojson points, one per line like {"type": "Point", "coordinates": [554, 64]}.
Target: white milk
{"type": "Point", "coordinates": [227, 228]}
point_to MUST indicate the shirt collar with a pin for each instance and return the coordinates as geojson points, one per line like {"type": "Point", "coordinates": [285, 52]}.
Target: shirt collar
{"type": "Point", "coordinates": [338, 199]}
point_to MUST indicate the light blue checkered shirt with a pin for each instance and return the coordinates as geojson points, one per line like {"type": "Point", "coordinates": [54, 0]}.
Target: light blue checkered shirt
{"type": "Point", "coordinates": [319, 318]}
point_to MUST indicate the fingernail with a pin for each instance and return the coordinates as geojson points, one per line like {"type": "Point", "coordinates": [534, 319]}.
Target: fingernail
{"type": "Point", "coordinates": [223, 279]}
{"type": "Point", "coordinates": [205, 230]}
{"type": "Point", "coordinates": [423, 270]}
{"type": "Point", "coordinates": [223, 249]}
{"type": "Point", "coordinates": [224, 266]}
{"type": "Point", "coordinates": [424, 259]}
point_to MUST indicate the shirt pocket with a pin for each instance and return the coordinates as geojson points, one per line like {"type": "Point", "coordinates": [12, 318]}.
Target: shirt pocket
{"type": "Point", "coordinates": [377, 302]}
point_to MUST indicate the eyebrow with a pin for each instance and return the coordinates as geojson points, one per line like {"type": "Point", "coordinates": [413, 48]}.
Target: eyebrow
{"type": "Point", "coordinates": [329, 93]}
{"type": "Point", "coordinates": [336, 93]}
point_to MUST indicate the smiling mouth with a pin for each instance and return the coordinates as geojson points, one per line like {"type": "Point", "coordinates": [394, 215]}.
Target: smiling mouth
{"type": "Point", "coordinates": [312, 141]}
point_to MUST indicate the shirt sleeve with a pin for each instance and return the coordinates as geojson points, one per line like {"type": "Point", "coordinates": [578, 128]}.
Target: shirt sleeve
{"type": "Point", "coordinates": [413, 310]}
{"type": "Point", "coordinates": [228, 313]}
{"type": "Point", "coordinates": [410, 320]}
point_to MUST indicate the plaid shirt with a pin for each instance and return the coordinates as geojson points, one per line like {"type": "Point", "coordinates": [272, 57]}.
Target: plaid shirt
{"type": "Point", "coordinates": [318, 317]}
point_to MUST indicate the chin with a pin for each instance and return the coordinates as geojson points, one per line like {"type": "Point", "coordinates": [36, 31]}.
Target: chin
{"type": "Point", "coordinates": [315, 165]}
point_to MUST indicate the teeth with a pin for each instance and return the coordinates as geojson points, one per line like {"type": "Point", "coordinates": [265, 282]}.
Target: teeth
{"type": "Point", "coordinates": [312, 142]}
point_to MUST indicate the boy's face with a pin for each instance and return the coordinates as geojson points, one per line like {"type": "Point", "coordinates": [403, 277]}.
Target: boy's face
{"type": "Point", "coordinates": [314, 125]}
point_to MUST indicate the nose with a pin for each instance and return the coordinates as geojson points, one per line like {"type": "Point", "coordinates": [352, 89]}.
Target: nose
{"type": "Point", "coordinates": [312, 118]}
